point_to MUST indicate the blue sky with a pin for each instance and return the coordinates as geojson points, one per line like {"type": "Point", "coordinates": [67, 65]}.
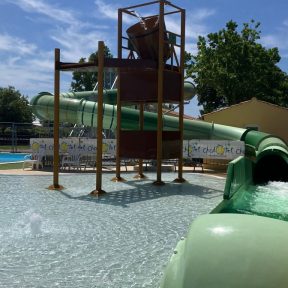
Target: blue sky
{"type": "Point", "coordinates": [31, 29]}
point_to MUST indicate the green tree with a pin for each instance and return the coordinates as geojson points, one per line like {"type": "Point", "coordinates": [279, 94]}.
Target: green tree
{"type": "Point", "coordinates": [86, 81]}
{"type": "Point", "coordinates": [14, 107]}
{"type": "Point", "coordinates": [232, 67]}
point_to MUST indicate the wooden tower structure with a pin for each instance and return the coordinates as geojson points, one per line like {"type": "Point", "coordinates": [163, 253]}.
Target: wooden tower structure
{"type": "Point", "coordinates": [152, 72]}
{"type": "Point", "coordinates": [158, 79]}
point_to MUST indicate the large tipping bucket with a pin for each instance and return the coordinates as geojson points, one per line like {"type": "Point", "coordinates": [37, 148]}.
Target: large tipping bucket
{"type": "Point", "coordinates": [144, 37]}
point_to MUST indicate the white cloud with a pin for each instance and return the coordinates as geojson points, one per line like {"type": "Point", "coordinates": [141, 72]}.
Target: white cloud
{"type": "Point", "coordinates": [195, 22]}
{"type": "Point", "coordinates": [16, 45]}
{"type": "Point", "coordinates": [76, 38]}
{"type": "Point", "coordinates": [30, 68]}
{"type": "Point", "coordinates": [41, 7]}
{"type": "Point", "coordinates": [278, 39]}
{"type": "Point", "coordinates": [75, 43]}
{"type": "Point", "coordinates": [195, 26]}
{"type": "Point", "coordinates": [271, 41]}
{"type": "Point", "coordinates": [107, 10]}
{"type": "Point", "coordinates": [201, 14]}
{"type": "Point", "coordinates": [110, 11]}
{"type": "Point", "coordinates": [25, 76]}
{"type": "Point", "coordinates": [31, 75]}
{"type": "Point", "coordinates": [191, 48]}
{"type": "Point", "coordinates": [195, 19]}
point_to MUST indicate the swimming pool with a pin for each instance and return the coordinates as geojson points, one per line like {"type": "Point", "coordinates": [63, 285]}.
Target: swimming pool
{"type": "Point", "coordinates": [70, 239]}
{"type": "Point", "coordinates": [11, 157]}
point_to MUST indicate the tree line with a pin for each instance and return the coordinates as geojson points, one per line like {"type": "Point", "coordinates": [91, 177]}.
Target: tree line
{"type": "Point", "coordinates": [230, 66]}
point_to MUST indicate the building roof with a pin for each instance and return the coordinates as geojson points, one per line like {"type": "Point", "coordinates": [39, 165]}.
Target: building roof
{"type": "Point", "coordinates": [254, 99]}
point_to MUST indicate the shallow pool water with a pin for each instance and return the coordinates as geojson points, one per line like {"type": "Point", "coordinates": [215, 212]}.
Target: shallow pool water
{"type": "Point", "coordinates": [70, 239]}
{"type": "Point", "coordinates": [11, 157]}
{"type": "Point", "coordinates": [269, 200]}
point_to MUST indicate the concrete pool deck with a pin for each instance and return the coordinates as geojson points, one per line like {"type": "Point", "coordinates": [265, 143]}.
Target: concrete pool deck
{"type": "Point", "coordinates": [130, 169]}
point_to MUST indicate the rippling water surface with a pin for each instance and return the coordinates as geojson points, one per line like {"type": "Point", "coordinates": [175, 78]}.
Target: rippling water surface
{"type": "Point", "coordinates": [269, 200]}
{"type": "Point", "coordinates": [70, 239]}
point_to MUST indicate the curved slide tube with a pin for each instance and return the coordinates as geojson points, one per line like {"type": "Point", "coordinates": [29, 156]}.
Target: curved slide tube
{"type": "Point", "coordinates": [75, 108]}
{"type": "Point", "coordinates": [267, 155]}
{"type": "Point", "coordinates": [231, 251]}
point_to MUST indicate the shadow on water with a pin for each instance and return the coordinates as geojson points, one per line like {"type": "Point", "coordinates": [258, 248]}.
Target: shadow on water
{"type": "Point", "coordinates": [138, 191]}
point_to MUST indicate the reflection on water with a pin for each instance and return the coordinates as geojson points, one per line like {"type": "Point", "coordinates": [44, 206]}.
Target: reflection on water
{"type": "Point", "coordinates": [70, 239]}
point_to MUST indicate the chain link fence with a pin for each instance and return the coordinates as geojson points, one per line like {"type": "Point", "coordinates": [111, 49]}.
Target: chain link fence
{"type": "Point", "coordinates": [15, 137]}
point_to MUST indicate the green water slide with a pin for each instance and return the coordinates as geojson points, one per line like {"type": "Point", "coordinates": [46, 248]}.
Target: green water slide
{"type": "Point", "coordinates": [266, 155]}
{"type": "Point", "coordinates": [230, 251]}
{"type": "Point", "coordinates": [243, 241]}
{"type": "Point", "coordinates": [78, 108]}
{"type": "Point", "coordinates": [224, 248]}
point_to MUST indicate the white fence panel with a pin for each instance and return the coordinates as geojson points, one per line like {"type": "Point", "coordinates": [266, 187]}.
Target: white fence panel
{"type": "Point", "coordinates": [208, 149]}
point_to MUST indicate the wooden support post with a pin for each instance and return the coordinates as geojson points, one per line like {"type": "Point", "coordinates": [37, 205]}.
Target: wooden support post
{"type": "Point", "coordinates": [118, 177]}
{"type": "Point", "coordinates": [56, 157]}
{"type": "Point", "coordinates": [180, 178]}
{"type": "Point", "coordinates": [140, 174]}
{"type": "Point", "coordinates": [160, 94]}
{"type": "Point", "coordinates": [99, 190]}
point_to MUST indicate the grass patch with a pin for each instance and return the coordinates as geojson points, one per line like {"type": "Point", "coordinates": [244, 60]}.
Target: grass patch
{"type": "Point", "coordinates": [8, 166]}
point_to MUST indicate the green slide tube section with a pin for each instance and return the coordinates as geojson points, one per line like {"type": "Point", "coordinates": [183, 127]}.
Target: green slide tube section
{"type": "Point", "coordinates": [267, 154]}
{"type": "Point", "coordinates": [228, 248]}
{"type": "Point", "coordinates": [110, 95]}
{"type": "Point", "coordinates": [75, 108]}
{"type": "Point", "coordinates": [230, 251]}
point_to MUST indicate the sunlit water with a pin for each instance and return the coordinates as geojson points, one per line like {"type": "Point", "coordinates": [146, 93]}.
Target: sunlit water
{"type": "Point", "coordinates": [270, 200]}
{"type": "Point", "coordinates": [69, 239]}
